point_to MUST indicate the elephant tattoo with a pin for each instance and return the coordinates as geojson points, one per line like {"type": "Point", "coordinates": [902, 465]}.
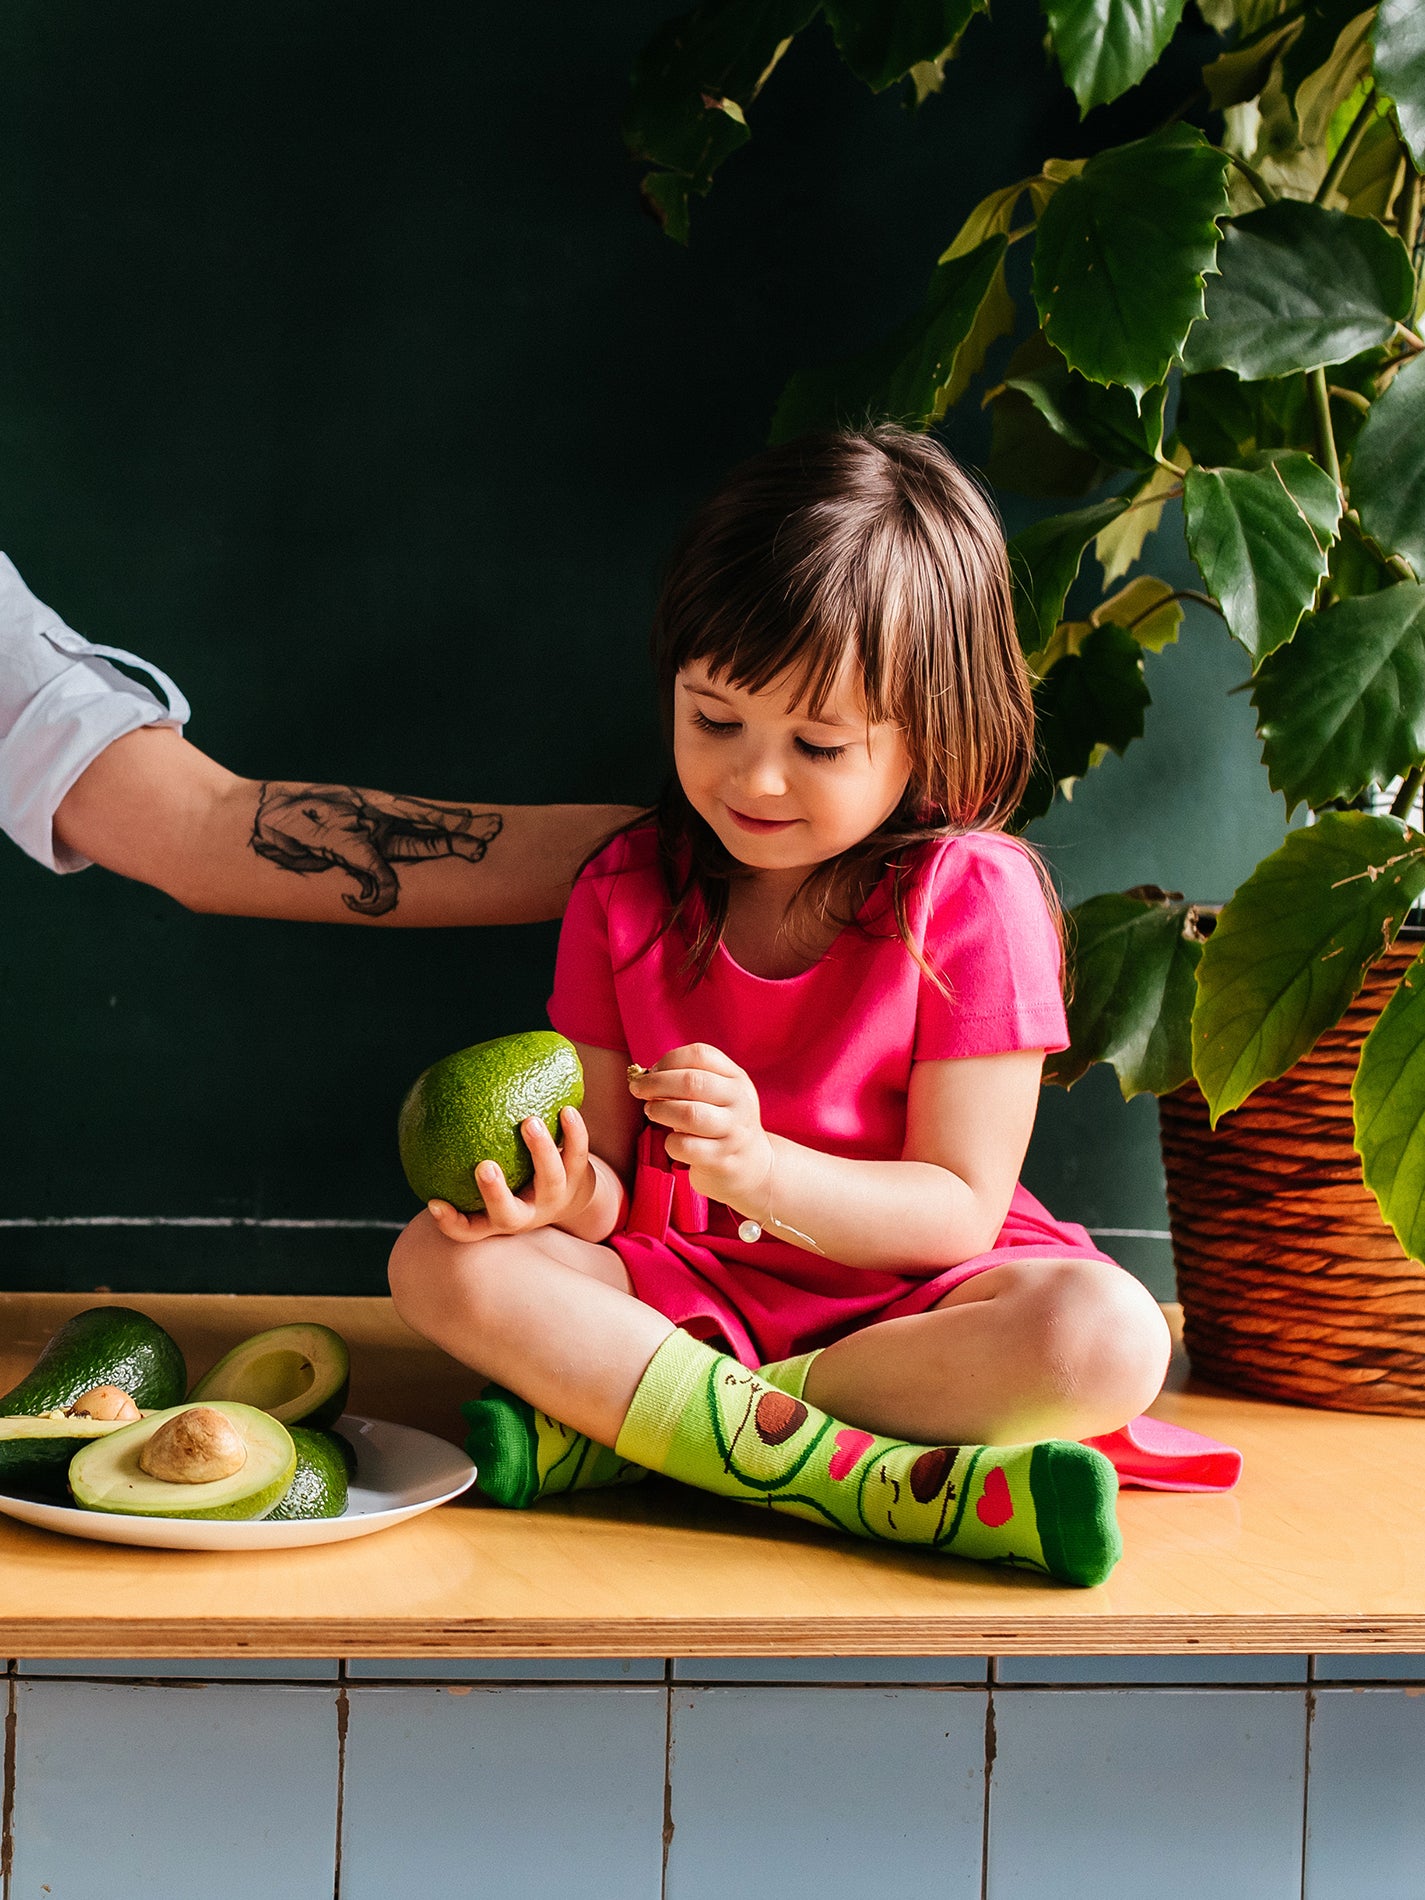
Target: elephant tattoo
{"type": "Point", "coordinates": [310, 828]}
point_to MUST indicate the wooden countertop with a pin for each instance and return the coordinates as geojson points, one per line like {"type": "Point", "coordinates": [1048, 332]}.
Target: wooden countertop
{"type": "Point", "coordinates": [1321, 1547]}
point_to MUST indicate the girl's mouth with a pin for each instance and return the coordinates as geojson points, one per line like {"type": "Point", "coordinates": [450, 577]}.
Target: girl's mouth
{"type": "Point", "coordinates": [745, 822]}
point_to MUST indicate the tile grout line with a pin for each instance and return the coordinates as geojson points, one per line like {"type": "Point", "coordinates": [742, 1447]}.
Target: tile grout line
{"type": "Point", "coordinates": [343, 1718]}
{"type": "Point", "coordinates": [1306, 1772]}
{"type": "Point", "coordinates": [668, 1822]}
{"type": "Point", "coordinates": [7, 1795]}
{"type": "Point", "coordinates": [991, 1750]}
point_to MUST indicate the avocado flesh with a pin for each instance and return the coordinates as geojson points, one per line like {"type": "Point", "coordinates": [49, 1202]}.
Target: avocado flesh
{"type": "Point", "coordinates": [35, 1452]}
{"type": "Point", "coordinates": [318, 1487]}
{"type": "Point", "coordinates": [468, 1107]}
{"type": "Point", "coordinates": [300, 1374]}
{"type": "Point", "coordinates": [106, 1475]}
{"type": "Point", "coordinates": [107, 1345]}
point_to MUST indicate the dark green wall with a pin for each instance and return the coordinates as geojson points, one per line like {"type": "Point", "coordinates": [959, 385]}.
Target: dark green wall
{"type": "Point", "coordinates": [341, 375]}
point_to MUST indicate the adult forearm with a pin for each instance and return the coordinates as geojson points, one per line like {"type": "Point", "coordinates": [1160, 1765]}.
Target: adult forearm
{"type": "Point", "coordinates": [155, 808]}
{"type": "Point", "coordinates": [914, 1216]}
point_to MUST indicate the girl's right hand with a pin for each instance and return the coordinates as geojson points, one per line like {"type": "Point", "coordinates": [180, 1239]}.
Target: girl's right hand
{"type": "Point", "coordinates": [563, 1185]}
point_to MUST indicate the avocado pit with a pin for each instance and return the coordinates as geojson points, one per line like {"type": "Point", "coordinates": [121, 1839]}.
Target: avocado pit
{"type": "Point", "coordinates": [105, 1402]}
{"type": "Point", "coordinates": [198, 1446]}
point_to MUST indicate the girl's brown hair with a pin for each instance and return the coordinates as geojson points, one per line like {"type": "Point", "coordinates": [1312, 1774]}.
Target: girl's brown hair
{"type": "Point", "coordinates": [873, 544]}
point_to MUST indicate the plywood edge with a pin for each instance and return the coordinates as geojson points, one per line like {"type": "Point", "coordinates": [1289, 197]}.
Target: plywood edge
{"type": "Point", "coordinates": [677, 1636]}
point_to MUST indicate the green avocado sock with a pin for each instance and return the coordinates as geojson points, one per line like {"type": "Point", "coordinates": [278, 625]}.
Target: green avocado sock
{"type": "Point", "coordinates": [702, 1418]}
{"type": "Point", "coordinates": [522, 1455]}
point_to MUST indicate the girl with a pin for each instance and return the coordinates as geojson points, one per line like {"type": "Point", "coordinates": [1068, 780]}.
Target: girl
{"type": "Point", "coordinates": [783, 1254]}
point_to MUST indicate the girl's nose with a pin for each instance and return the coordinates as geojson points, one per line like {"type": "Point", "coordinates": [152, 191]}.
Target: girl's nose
{"type": "Point", "coordinates": [763, 776]}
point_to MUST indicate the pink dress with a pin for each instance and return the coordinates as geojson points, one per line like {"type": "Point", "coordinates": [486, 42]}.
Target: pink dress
{"type": "Point", "coordinates": [830, 1051]}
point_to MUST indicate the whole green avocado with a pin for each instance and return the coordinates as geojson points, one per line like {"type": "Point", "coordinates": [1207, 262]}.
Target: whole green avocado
{"type": "Point", "coordinates": [468, 1107]}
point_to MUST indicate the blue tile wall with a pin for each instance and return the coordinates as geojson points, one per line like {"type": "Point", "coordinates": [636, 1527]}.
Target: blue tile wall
{"type": "Point", "coordinates": [830, 1668]}
{"type": "Point", "coordinates": [1178, 1793]}
{"type": "Point", "coordinates": [504, 1793]}
{"type": "Point", "coordinates": [1366, 1806]}
{"type": "Point", "coordinates": [837, 1792]}
{"type": "Point", "coordinates": [1125, 1670]}
{"type": "Point", "coordinates": [527, 1778]}
{"type": "Point", "coordinates": [509, 1668]}
{"type": "Point", "coordinates": [228, 1790]}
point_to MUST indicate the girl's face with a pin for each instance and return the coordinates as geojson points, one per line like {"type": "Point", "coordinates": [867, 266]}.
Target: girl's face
{"type": "Point", "coordinates": [783, 791]}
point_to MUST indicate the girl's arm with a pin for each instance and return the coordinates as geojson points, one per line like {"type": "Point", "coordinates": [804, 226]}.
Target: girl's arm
{"type": "Point", "coordinates": [967, 1130]}
{"type": "Point", "coordinates": [155, 808]}
{"type": "Point", "coordinates": [578, 1187]}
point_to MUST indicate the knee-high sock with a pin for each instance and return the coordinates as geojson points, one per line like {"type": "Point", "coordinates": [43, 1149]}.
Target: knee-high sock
{"type": "Point", "coordinates": [702, 1418]}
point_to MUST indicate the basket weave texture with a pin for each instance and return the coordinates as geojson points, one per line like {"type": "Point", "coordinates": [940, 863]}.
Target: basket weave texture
{"type": "Point", "coordinates": [1292, 1285]}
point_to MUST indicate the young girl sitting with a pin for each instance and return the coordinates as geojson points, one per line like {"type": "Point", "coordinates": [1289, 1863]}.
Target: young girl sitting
{"type": "Point", "coordinates": [783, 1254]}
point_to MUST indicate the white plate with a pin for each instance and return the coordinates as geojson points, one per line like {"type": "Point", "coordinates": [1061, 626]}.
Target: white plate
{"type": "Point", "coordinates": [400, 1472]}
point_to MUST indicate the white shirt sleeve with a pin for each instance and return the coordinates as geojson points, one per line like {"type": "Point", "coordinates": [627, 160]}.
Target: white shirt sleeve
{"type": "Point", "coordinates": [61, 704]}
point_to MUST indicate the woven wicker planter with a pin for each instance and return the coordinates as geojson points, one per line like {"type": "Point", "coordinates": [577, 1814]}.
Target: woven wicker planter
{"type": "Point", "coordinates": [1292, 1285]}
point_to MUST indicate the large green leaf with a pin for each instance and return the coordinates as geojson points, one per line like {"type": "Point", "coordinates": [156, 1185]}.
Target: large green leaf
{"type": "Point", "coordinates": [996, 315]}
{"type": "Point", "coordinates": [1134, 954]}
{"type": "Point", "coordinates": [1028, 458]}
{"type": "Point", "coordinates": [1389, 1096]}
{"type": "Point", "coordinates": [1104, 422]}
{"type": "Point", "coordinates": [1106, 46]}
{"type": "Point", "coordinates": [690, 90]}
{"type": "Point", "coordinates": [1222, 419]}
{"type": "Point", "coordinates": [1120, 544]}
{"type": "Point", "coordinates": [1291, 948]}
{"type": "Point", "coordinates": [881, 40]}
{"type": "Point", "coordinates": [906, 378]}
{"type": "Point", "coordinates": [1300, 287]}
{"type": "Point", "coordinates": [1400, 68]}
{"type": "Point", "coordinates": [1093, 700]}
{"type": "Point", "coordinates": [1121, 255]}
{"type": "Point", "coordinates": [1343, 706]}
{"type": "Point", "coordinates": [1262, 537]}
{"type": "Point", "coordinates": [1043, 564]}
{"type": "Point", "coordinates": [1242, 71]}
{"type": "Point", "coordinates": [1388, 467]}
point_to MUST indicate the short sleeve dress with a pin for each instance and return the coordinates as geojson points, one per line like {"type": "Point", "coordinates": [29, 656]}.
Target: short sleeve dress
{"type": "Point", "coordinates": [830, 1051]}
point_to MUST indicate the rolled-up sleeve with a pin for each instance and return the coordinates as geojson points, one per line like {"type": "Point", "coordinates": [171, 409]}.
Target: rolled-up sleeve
{"type": "Point", "coordinates": [62, 701]}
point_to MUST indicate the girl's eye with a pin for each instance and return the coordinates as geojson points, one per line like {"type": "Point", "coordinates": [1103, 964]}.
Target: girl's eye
{"type": "Point", "coordinates": [704, 724]}
{"type": "Point", "coordinates": [820, 751]}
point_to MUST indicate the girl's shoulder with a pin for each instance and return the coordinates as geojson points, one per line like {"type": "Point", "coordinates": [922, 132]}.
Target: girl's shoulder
{"type": "Point", "coordinates": [630, 852]}
{"type": "Point", "coordinates": [974, 866]}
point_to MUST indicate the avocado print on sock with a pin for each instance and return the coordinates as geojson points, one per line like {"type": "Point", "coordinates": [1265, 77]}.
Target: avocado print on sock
{"type": "Point", "coordinates": [704, 1419]}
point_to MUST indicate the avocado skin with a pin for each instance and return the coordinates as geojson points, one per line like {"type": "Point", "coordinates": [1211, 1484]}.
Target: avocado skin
{"type": "Point", "coordinates": [318, 1487]}
{"type": "Point", "coordinates": [107, 1345]}
{"type": "Point", "coordinates": [39, 1465]}
{"type": "Point", "coordinates": [467, 1108]}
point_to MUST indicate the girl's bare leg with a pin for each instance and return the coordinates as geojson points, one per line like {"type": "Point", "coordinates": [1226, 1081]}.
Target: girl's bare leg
{"type": "Point", "coordinates": [551, 1317]}
{"type": "Point", "coordinates": [1029, 1350]}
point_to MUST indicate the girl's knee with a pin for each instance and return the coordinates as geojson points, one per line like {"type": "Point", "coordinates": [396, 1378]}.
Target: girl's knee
{"type": "Point", "coordinates": [1097, 1340]}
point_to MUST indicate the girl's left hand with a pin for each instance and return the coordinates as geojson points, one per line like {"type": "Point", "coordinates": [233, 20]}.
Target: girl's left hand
{"type": "Point", "coordinates": [714, 1118]}
{"type": "Point", "coordinates": [562, 1186]}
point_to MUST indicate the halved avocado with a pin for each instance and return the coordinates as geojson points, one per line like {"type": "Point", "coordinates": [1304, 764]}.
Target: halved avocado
{"type": "Point", "coordinates": [107, 1345]}
{"type": "Point", "coordinates": [318, 1487]}
{"type": "Point", "coordinates": [35, 1452]}
{"type": "Point", "coordinates": [107, 1476]}
{"type": "Point", "coordinates": [300, 1374]}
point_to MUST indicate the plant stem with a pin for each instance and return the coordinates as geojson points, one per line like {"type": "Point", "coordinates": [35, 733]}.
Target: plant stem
{"type": "Point", "coordinates": [1326, 440]}
{"type": "Point", "coordinates": [1346, 150]}
{"type": "Point", "coordinates": [1408, 213]}
{"type": "Point", "coordinates": [1405, 797]}
{"type": "Point", "coordinates": [1352, 396]}
{"type": "Point", "coordinates": [1254, 178]}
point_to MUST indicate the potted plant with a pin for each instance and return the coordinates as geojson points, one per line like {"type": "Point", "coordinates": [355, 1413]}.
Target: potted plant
{"type": "Point", "coordinates": [1226, 312]}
